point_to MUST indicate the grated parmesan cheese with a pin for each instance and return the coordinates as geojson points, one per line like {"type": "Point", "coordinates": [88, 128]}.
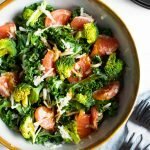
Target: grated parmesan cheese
{"type": "Point", "coordinates": [81, 11]}
{"type": "Point", "coordinates": [40, 31]}
{"type": "Point", "coordinates": [68, 51]}
{"type": "Point", "coordinates": [32, 17]}
{"type": "Point", "coordinates": [34, 138]}
{"type": "Point", "coordinates": [28, 40]}
{"type": "Point", "coordinates": [44, 94]}
{"type": "Point", "coordinates": [96, 65]}
{"type": "Point", "coordinates": [23, 29]}
{"type": "Point", "coordinates": [41, 68]}
{"type": "Point", "coordinates": [47, 13]}
{"type": "Point", "coordinates": [46, 104]}
{"type": "Point", "coordinates": [0, 61]}
{"type": "Point", "coordinates": [46, 98]}
{"type": "Point", "coordinates": [100, 116]}
{"type": "Point", "coordinates": [12, 102]}
{"type": "Point", "coordinates": [43, 39]}
{"type": "Point", "coordinates": [64, 133]}
{"type": "Point", "coordinates": [83, 14]}
{"type": "Point", "coordinates": [63, 102]}
{"type": "Point", "coordinates": [66, 44]}
{"type": "Point", "coordinates": [37, 80]}
{"type": "Point", "coordinates": [107, 106]}
{"type": "Point", "coordinates": [80, 56]}
{"type": "Point", "coordinates": [43, 6]}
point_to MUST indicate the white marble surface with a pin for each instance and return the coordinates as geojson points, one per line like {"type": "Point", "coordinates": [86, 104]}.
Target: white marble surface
{"type": "Point", "coordinates": [137, 20]}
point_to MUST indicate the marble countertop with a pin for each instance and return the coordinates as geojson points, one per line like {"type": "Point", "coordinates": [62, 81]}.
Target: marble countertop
{"type": "Point", "coordinates": [137, 20]}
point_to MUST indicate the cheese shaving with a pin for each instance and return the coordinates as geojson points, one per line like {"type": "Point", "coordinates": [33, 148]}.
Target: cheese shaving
{"type": "Point", "coordinates": [42, 68]}
{"type": "Point", "coordinates": [12, 102]}
{"type": "Point", "coordinates": [64, 133]}
{"type": "Point", "coordinates": [81, 11]}
{"type": "Point", "coordinates": [107, 106]}
{"type": "Point", "coordinates": [44, 94]}
{"type": "Point", "coordinates": [43, 39]}
{"type": "Point", "coordinates": [47, 13]}
{"type": "Point", "coordinates": [40, 31]}
{"type": "Point", "coordinates": [0, 61]}
{"type": "Point", "coordinates": [96, 65]}
{"type": "Point", "coordinates": [83, 14]}
{"type": "Point", "coordinates": [69, 49]}
{"type": "Point", "coordinates": [37, 80]}
{"type": "Point", "coordinates": [80, 56]}
{"type": "Point", "coordinates": [34, 138]}
{"type": "Point", "coordinates": [67, 52]}
{"type": "Point", "coordinates": [43, 6]}
{"type": "Point", "coordinates": [23, 29]}
{"type": "Point", "coordinates": [32, 17]}
{"type": "Point", "coordinates": [66, 44]}
{"type": "Point", "coordinates": [46, 104]}
{"type": "Point", "coordinates": [63, 102]}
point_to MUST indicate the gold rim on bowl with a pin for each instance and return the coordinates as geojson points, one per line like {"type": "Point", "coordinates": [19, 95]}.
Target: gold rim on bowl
{"type": "Point", "coordinates": [132, 101]}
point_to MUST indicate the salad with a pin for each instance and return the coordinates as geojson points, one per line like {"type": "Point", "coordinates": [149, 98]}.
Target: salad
{"type": "Point", "coordinates": [59, 74]}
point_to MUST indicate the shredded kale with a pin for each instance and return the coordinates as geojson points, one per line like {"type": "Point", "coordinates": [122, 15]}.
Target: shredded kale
{"type": "Point", "coordinates": [45, 136]}
{"type": "Point", "coordinates": [52, 56]}
{"type": "Point", "coordinates": [9, 116]}
{"type": "Point", "coordinates": [76, 12]}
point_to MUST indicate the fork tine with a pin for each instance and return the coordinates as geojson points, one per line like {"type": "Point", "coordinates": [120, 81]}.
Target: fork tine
{"type": "Point", "coordinates": [145, 148]}
{"type": "Point", "coordinates": [127, 144]}
{"type": "Point", "coordinates": [142, 108]}
{"type": "Point", "coordinates": [138, 143]}
{"type": "Point", "coordinates": [131, 137]}
{"type": "Point", "coordinates": [146, 123]}
{"type": "Point", "coordinates": [124, 145]}
{"type": "Point", "coordinates": [143, 111]}
{"type": "Point", "coordinates": [146, 115]}
{"type": "Point", "coordinates": [138, 108]}
{"type": "Point", "coordinates": [141, 116]}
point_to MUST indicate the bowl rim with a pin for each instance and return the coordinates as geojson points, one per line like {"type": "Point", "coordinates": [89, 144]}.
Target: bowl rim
{"type": "Point", "coordinates": [124, 119]}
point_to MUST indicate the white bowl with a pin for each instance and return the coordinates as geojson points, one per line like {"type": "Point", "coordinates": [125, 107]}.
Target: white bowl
{"type": "Point", "coordinates": [107, 18]}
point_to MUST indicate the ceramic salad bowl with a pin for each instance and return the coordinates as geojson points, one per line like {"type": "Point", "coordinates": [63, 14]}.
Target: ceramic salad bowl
{"type": "Point", "coordinates": [104, 17]}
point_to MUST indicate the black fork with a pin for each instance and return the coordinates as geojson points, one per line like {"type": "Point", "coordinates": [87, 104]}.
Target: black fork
{"type": "Point", "coordinates": [133, 141]}
{"type": "Point", "coordinates": [141, 117]}
{"type": "Point", "coordinates": [141, 114]}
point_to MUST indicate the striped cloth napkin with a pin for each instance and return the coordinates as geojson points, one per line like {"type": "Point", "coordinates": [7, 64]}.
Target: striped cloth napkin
{"type": "Point", "coordinates": [116, 141]}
